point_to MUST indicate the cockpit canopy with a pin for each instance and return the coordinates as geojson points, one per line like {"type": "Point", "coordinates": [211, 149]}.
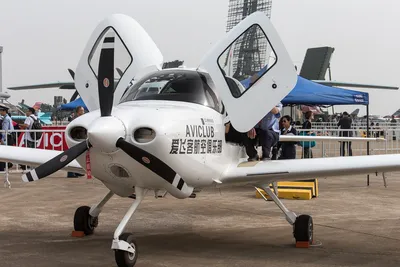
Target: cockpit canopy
{"type": "Point", "coordinates": [175, 85]}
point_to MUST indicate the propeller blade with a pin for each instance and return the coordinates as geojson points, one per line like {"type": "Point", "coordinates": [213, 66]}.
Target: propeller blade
{"type": "Point", "coordinates": [74, 96]}
{"type": "Point", "coordinates": [153, 163]}
{"type": "Point", "coordinates": [120, 72]}
{"type": "Point", "coordinates": [72, 73]}
{"type": "Point", "coordinates": [56, 163]}
{"type": "Point", "coordinates": [106, 75]}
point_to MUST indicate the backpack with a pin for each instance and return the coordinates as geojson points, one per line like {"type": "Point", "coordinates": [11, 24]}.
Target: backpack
{"type": "Point", "coordinates": [36, 126]}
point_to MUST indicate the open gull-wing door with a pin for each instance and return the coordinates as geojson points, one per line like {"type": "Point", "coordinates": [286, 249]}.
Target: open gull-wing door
{"type": "Point", "coordinates": [135, 53]}
{"type": "Point", "coordinates": [253, 55]}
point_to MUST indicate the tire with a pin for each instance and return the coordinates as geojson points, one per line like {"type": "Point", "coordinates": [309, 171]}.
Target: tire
{"type": "Point", "coordinates": [124, 258]}
{"type": "Point", "coordinates": [83, 221]}
{"type": "Point", "coordinates": [303, 229]}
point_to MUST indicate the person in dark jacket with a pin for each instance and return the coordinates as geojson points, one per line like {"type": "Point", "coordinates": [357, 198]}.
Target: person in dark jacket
{"type": "Point", "coordinates": [288, 148]}
{"type": "Point", "coordinates": [345, 125]}
{"type": "Point", "coordinates": [307, 151]}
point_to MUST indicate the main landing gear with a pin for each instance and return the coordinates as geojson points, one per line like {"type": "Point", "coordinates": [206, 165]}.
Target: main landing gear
{"type": "Point", "coordinates": [302, 225]}
{"type": "Point", "coordinates": [124, 244]}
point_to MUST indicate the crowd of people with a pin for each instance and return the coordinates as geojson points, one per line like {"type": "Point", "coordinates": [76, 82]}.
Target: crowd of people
{"type": "Point", "coordinates": [9, 138]}
{"type": "Point", "coordinates": [30, 137]}
{"type": "Point", "coordinates": [266, 134]}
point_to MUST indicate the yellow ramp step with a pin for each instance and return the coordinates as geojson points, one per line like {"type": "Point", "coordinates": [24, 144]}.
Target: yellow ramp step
{"type": "Point", "coordinates": [303, 194]}
{"type": "Point", "coordinates": [306, 184]}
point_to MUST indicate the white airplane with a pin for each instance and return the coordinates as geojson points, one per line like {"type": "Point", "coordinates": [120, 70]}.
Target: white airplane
{"type": "Point", "coordinates": [174, 140]}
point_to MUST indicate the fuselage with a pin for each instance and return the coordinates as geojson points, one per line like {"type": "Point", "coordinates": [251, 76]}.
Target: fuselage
{"type": "Point", "coordinates": [190, 138]}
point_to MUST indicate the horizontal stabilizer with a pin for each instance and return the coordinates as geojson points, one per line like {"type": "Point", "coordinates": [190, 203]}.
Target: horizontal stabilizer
{"type": "Point", "coordinates": [60, 85]}
{"type": "Point", "coordinates": [357, 85]}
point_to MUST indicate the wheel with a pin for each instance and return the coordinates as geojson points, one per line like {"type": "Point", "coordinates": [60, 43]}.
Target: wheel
{"type": "Point", "coordinates": [83, 221]}
{"type": "Point", "coordinates": [124, 258]}
{"type": "Point", "coordinates": [303, 229]}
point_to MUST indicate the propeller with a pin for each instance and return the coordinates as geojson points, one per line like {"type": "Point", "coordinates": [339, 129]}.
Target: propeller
{"type": "Point", "coordinates": [75, 95]}
{"type": "Point", "coordinates": [148, 160]}
{"type": "Point", "coordinates": [106, 96]}
{"type": "Point", "coordinates": [72, 73]}
{"type": "Point", "coordinates": [157, 166]}
{"type": "Point", "coordinates": [106, 75]}
{"type": "Point", "coordinates": [120, 72]}
{"type": "Point", "coordinates": [56, 163]}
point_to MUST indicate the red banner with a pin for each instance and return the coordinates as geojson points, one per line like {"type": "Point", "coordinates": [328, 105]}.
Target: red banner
{"type": "Point", "coordinates": [53, 138]}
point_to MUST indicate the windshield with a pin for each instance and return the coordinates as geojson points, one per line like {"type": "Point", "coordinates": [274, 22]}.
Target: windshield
{"type": "Point", "coordinates": [175, 85]}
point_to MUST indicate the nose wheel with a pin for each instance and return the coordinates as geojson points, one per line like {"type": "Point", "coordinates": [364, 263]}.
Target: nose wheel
{"type": "Point", "coordinates": [84, 222]}
{"type": "Point", "coordinates": [303, 229]}
{"type": "Point", "coordinates": [127, 258]}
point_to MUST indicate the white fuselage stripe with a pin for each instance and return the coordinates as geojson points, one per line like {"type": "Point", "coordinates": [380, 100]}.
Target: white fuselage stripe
{"type": "Point", "coordinates": [34, 175]}
{"type": "Point", "coordinates": [108, 46]}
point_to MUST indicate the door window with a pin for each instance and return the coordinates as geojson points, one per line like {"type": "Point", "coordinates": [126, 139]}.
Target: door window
{"type": "Point", "coordinates": [246, 60]}
{"type": "Point", "coordinates": [122, 57]}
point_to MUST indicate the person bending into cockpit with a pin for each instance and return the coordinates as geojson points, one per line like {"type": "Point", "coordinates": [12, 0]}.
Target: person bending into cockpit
{"type": "Point", "coordinates": [242, 139]}
{"type": "Point", "coordinates": [267, 131]}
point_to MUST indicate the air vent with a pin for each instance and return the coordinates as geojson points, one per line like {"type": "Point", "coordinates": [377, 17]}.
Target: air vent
{"type": "Point", "coordinates": [119, 171]}
{"type": "Point", "coordinates": [78, 133]}
{"type": "Point", "coordinates": [144, 135]}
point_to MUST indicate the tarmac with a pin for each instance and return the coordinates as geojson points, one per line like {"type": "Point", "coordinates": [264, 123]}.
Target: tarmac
{"type": "Point", "coordinates": [354, 225]}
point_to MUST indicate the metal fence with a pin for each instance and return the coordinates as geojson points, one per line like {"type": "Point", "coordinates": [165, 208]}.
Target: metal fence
{"type": "Point", "coordinates": [54, 139]}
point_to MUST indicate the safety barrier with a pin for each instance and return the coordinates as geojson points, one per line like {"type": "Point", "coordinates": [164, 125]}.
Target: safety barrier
{"type": "Point", "coordinates": [52, 138]}
{"type": "Point", "coordinates": [386, 145]}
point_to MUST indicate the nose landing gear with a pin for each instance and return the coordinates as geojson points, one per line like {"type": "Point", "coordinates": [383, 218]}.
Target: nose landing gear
{"type": "Point", "coordinates": [84, 222]}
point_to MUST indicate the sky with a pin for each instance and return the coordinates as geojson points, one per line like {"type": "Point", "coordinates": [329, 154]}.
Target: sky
{"type": "Point", "coordinates": [43, 38]}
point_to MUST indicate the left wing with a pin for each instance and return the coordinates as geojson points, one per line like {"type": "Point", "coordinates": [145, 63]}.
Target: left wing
{"type": "Point", "coordinates": [34, 157]}
{"type": "Point", "coordinates": [265, 172]}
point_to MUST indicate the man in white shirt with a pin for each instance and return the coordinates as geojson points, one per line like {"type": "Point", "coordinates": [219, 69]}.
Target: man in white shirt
{"type": "Point", "coordinates": [30, 118]}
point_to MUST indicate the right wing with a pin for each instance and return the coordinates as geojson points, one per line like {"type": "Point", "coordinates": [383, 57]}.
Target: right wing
{"type": "Point", "coordinates": [265, 172]}
{"type": "Point", "coordinates": [34, 157]}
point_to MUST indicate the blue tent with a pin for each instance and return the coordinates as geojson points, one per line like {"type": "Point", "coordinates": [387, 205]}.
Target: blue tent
{"type": "Point", "coordinates": [72, 105]}
{"type": "Point", "coordinates": [310, 93]}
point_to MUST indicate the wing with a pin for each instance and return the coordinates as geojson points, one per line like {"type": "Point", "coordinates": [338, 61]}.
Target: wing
{"type": "Point", "coordinates": [60, 85]}
{"type": "Point", "coordinates": [357, 85]}
{"type": "Point", "coordinates": [264, 172]}
{"type": "Point", "coordinates": [34, 157]}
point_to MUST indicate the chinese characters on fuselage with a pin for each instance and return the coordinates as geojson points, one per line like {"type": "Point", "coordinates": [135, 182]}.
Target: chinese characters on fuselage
{"type": "Point", "coordinates": [199, 139]}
